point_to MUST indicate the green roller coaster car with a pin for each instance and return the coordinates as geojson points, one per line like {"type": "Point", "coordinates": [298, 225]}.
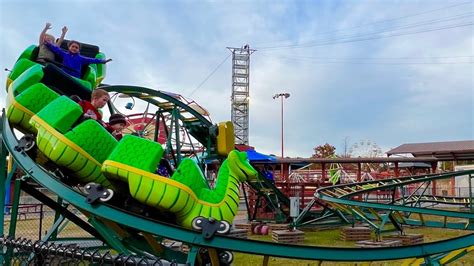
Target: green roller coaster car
{"type": "Point", "coordinates": [92, 74]}
{"type": "Point", "coordinates": [186, 193]}
{"type": "Point", "coordinates": [38, 103]}
{"type": "Point", "coordinates": [31, 86]}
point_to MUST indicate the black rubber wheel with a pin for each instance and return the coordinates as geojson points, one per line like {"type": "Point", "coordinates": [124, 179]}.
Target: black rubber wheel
{"type": "Point", "coordinates": [197, 223]}
{"type": "Point", "coordinates": [29, 145]}
{"type": "Point", "coordinates": [87, 187]}
{"type": "Point", "coordinates": [224, 227]}
{"type": "Point", "coordinates": [26, 143]}
{"type": "Point", "coordinates": [226, 257]}
{"type": "Point", "coordinates": [108, 194]}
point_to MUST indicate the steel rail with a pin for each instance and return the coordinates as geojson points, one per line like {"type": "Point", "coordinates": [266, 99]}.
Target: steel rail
{"type": "Point", "coordinates": [147, 94]}
{"type": "Point", "coordinates": [436, 199]}
{"type": "Point", "coordinates": [344, 194]}
{"type": "Point", "coordinates": [386, 184]}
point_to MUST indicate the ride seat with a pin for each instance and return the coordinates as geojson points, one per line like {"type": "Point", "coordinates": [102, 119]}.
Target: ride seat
{"type": "Point", "coordinates": [34, 53]}
{"type": "Point", "coordinates": [81, 149]}
{"type": "Point", "coordinates": [56, 78]}
{"type": "Point", "coordinates": [91, 74]}
{"type": "Point", "coordinates": [62, 114]}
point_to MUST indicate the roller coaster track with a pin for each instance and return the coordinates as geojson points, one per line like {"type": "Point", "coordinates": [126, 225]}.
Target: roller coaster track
{"type": "Point", "coordinates": [133, 222]}
{"type": "Point", "coordinates": [194, 119]}
{"type": "Point", "coordinates": [343, 198]}
{"type": "Point", "coordinates": [275, 199]}
{"type": "Point", "coordinates": [399, 210]}
{"type": "Point", "coordinates": [417, 199]}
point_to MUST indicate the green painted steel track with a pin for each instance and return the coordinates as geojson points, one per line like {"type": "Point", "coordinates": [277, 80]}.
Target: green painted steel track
{"type": "Point", "coordinates": [415, 199]}
{"type": "Point", "coordinates": [194, 238]}
{"type": "Point", "coordinates": [158, 98]}
{"type": "Point", "coordinates": [346, 194]}
{"type": "Point", "coordinates": [275, 199]}
{"type": "Point", "coordinates": [196, 123]}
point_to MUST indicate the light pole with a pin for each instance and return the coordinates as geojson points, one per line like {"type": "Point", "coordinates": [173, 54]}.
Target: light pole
{"type": "Point", "coordinates": [282, 95]}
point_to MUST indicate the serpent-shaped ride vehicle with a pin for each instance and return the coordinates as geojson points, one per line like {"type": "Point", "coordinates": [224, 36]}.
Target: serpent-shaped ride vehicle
{"type": "Point", "coordinates": [39, 103]}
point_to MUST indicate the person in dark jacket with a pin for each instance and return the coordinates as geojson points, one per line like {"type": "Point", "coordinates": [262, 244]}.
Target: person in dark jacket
{"type": "Point", "coordinates": [116, 124]}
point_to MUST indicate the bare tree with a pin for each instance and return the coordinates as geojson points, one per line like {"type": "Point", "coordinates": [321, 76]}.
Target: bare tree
{"type": "Point", "coordinates": [345, 148]}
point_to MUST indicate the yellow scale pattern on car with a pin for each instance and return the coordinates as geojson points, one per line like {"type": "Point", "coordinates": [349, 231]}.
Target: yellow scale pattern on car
{"type": "Point", "coordinates": [169, 195]}
{"type": "Point", "coordinates": [66, 153]}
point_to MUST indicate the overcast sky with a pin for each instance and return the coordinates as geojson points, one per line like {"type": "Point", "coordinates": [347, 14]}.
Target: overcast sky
{"type": "Point", "coordinates": [392, 72]}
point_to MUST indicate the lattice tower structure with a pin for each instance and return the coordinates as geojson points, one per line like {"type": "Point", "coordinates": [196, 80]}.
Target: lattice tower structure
{"type": "Point", "coordinates": [240, 92]}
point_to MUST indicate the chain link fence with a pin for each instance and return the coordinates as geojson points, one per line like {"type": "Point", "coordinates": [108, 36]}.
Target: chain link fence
{"type": "Point", "coordinates": [34, 219]}
{"type": "Point", "coordinates": [72, 245]}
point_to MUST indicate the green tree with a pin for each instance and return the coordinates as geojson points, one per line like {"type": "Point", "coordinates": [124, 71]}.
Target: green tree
{"type": "Point", "coordinates": [324, 151]}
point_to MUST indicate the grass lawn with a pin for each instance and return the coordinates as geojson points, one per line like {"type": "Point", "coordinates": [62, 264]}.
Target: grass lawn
{"type": "Point", "coordinates": [330, 238]}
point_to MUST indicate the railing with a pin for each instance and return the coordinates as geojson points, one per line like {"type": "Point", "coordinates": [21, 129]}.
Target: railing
{"type": "Point", "coordinates": [26, 211]}
{"type": "Point", "coordinates": [33, 218]}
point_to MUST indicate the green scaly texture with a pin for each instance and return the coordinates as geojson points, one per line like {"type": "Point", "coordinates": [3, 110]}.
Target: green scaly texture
{"type": "Point", "coordinates": [189, 174]}
{"type": "Point", "coordinates": [28, 78]}
{"type": "Point", "coordinates": [28, 52]}
{"type": "Point", "coordinates": [238, 166]}
{"type": "Point", "coordinates": [93, 138]}
{"type": "Point", "coordinates": [36, 97]}
{"type": "Point", "coordinates": [217, 194]}
{"type": "Point", "coordinates": [61, 113]}
{"type": "Point", "coordinates": [90, 76]}
{"type": "Point", "coordinates": [137, 152]}
{"type": "Point", "coordinates": [21, 66]}
{"type": "Point", "coordinates": [84, 83]}
{"type": "Point", "coordinates": [100, 68]}
{"type": "Point", "coordinates": [25, 61]}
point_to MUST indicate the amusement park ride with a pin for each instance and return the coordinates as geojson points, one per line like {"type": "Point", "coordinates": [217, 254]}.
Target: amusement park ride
{"type": "Point", "coordinates": [133, 210]}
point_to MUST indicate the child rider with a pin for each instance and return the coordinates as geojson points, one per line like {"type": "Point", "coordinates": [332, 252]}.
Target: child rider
{"type": "Point", "coordinates": [117, 123]}
{"type": "Point", "coordinates": [90, 109]}
{"type": "Point", "coordinates": [72, 60]}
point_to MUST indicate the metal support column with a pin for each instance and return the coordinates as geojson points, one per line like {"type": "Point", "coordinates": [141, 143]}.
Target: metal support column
{"type": "Point", "coordinates": [323, 172]}
{"type": "Point", "coordinates": [175, 115]}
{"type": "Point", "coordinates": [111, 237]}
{"type": "Point", "coordinates": [3, 184]}
{"type": "Point", "coordinates": [240, 92]}
{"type": "Point", "coordinates": [3, 176]}
{"type": "Point", "coordinates": [434, 183]}
{"type": "Point", "coordinates": [14, 211]}
{"type": "Point", "coordinates": [157, 125]}
{"type": "Point", "coordinates": [471, 197]}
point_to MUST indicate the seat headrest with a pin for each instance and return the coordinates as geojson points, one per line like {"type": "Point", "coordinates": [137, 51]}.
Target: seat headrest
{"type": "Point", "coordinates": [88, 50]}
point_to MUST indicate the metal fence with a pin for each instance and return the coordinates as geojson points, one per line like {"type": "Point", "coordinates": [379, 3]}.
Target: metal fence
{"type": "Point", "coordinates": [34, 219]}
{"type": "Point", "coordinates": [27, 252]}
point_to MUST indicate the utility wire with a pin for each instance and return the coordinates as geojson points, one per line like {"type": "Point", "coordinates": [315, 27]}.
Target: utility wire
{"type": "Point", "coordinates": [352, 62]}
{"type": "Point", "coordinates": [384, 58]}
{"type": "Point", "coordinates": [382, 21]}
{"type": "Point", "coordinates": [209, 76]}
{"type": "Point", "coordinates": [367, 38]}
{"type": "Point", "coordinates": [414, 25]}
{"type": "Point", "coordinates": [422, 23]}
